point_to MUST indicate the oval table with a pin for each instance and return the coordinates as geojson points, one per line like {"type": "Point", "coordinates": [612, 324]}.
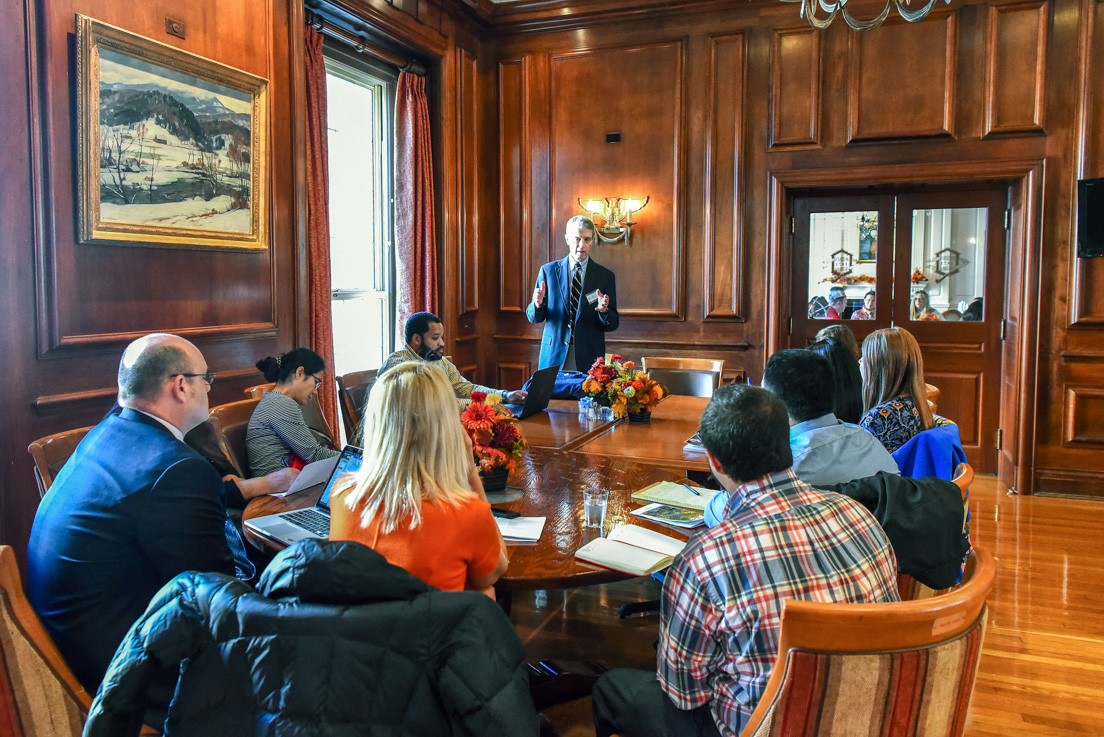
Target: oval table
{"type": "Point", "coordinates": [552, 483]}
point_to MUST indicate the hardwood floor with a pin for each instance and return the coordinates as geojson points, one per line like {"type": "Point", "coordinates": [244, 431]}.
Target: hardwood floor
{"type": "Point", "coordinates": [1042, 666]}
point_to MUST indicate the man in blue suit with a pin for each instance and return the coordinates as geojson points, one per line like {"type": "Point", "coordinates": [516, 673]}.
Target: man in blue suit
{"type": "Point", "coordinates": [132, 508]}
{"type": "Point", "coordinates": [576, 299]}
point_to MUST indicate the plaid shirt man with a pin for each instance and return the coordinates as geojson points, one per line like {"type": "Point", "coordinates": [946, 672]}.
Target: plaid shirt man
{"type": "Point", "coordinates": [722, 598]}
{"type": "Point", "coordinates": [461, 386]}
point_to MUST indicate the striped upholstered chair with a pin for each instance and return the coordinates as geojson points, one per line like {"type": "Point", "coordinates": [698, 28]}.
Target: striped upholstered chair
{"type": "Point", "coordinates": [904, 669]}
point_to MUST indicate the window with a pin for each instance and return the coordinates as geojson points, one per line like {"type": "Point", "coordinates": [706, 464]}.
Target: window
{"type": "Point", "coordinates": [359, 104]}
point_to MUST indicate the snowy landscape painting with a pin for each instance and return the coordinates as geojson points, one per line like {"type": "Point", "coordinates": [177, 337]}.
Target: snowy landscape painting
{"type": "Point", "coordinates": [171, 154]}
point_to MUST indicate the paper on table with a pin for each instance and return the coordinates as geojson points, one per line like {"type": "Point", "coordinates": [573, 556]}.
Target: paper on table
{"type": "Point", "coordinates": [631, 549]}
{"type": "Point", "coordinates": [648, 539]}
{"type": "Point", "coordinates": [679, 495]}
{"type": "Point", "coordinates": [671, 515]}
{"type": "Point", "coordinates": [526, 529]}
{"type": "Point", "coordinates": [311, 475]}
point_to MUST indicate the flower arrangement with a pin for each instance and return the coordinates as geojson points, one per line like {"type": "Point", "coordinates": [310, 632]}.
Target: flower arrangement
{"type": "Point", "coordinates": [497, 441]}
{"type": "Point", "coordinates": [627, 390]}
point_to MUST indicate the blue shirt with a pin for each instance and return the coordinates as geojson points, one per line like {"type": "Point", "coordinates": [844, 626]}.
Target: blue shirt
{"type": "Point", "coordinates": [826, 451]}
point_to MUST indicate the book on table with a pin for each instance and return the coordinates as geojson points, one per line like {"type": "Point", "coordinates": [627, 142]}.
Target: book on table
{"type": "Point", "coordinates": [631, 549]}
{"type": "Point", "coordinates": [666, 514]}
{"type": "Point", "coordinates": [676, 495]}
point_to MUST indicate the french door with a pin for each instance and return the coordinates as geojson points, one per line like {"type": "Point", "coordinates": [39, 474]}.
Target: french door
{"type": "Point", "coordinates": [930, 262]}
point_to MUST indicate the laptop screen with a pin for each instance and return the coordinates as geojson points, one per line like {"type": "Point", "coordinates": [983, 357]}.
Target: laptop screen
{"type": "Point", "coordinates": [348, 463]}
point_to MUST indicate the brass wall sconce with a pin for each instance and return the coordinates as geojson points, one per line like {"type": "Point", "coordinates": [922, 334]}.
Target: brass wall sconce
{"type": "Point", "coordinates": [614, 212]}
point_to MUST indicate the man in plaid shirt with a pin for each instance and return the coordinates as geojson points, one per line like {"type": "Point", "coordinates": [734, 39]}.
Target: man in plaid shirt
{"type": "Point", "coordinates": [722, 598]}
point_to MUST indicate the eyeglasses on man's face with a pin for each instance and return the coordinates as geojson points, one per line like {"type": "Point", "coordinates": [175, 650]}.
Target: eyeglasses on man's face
{"type": "Point", "coordinates": [209, 377]}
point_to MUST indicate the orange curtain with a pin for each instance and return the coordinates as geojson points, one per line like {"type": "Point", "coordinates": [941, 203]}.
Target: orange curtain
{"type": "Point", "coordinates": [415, 233]}
{"type": "Point", "coordinates": [318, 220]}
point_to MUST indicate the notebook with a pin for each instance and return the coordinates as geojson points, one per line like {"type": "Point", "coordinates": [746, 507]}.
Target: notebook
{"type": "Point", "coordinates": [668, 515]}
{"type": "Point", "coordinates": [633, 550]}
{"type": "Point", "coordinates": [677, 495]}
{"type": "Point", "coordinates": [303, 524]}
{"type": "Point", "coordinates": [541, 387]}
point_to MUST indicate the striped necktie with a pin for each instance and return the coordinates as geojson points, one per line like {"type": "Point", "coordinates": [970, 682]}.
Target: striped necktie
{"type": "Point", "coordinates": [576, 290]}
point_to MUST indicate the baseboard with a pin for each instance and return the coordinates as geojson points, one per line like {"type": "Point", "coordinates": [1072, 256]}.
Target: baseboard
{"type": "Point", "coordinates": [1069, 483]}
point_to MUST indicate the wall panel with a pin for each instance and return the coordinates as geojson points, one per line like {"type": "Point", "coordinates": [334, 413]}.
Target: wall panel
{"type": "Point", "coordinates": [514, 244]}
{"type": "Point", "coordinates": [795, 87]}
{"type": "Point", "coordinates": [902, 80]}
{"type": "Point", "coordinates": [1016, 74]}
{"type": "Point", "coordinates": [1084, 415]}
{"type": "Point", "coordinates": [468, 137]}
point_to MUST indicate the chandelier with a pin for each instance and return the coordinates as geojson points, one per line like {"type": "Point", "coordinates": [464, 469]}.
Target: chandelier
{"type": "Point", "coordinates": [810, 8]}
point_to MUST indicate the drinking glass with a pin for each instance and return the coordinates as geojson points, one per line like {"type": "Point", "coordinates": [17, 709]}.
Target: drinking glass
{"type": "Point", "coordinates": [594, 506]}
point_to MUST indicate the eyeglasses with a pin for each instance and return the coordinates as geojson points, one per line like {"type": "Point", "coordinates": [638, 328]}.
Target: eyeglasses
{"type": "Point", "coordinates": [209, 377]}
{"type": "Point", "coordinates": [317, 381]}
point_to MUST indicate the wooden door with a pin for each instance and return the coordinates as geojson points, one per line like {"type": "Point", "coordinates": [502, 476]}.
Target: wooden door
{"type": "Point", "coordinates": [950, 251]}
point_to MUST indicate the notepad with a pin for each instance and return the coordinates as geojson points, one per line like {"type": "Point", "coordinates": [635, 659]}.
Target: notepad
{"type": "Point", "coordinates": [521, 529]}
{"type": "Point", "coordinates": [312, 474]}
{"type": "Point", "coordinates": [631, 549]}
{"type": "Point", "coordinates": [670, 515]}
{"type": "Point", "coordinates": [678, 495]}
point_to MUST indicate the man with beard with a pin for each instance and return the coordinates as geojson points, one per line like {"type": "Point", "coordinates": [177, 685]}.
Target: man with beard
{"type": "Point", "coordinates": [425, 341]}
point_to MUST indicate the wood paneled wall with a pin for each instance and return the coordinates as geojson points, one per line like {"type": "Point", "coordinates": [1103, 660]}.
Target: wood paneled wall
{"type": "Point", "coordinates": [727, 112]}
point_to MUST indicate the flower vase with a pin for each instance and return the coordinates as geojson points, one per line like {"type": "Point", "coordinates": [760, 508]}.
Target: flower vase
{"type": "Point", "coordinates": [645, 416]}
{"type": "Point", "coordinates": [495, 479]}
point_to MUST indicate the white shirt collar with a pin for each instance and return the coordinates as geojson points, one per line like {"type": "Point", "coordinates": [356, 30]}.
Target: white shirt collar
{"type": "Point", "coordinates": [583, 263]}
{"type": "Point", "coordinates": [168, 425]}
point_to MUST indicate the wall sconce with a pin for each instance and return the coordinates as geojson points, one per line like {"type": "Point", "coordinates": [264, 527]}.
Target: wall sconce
{"type": "Point", "coordinates": [614, 212]}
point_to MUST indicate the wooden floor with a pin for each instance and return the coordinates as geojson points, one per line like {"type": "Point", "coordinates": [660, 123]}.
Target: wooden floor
{"type": "Point", "coordinates": [1042, 667]}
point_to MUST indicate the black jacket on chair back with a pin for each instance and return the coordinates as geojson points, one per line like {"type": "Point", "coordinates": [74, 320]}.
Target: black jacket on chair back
{"type": "Point", "coordinates": [336, 641]}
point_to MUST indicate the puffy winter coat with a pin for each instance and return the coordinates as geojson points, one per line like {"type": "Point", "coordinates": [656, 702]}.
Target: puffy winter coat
{"type": "Point", "coordinates": [336, 642]}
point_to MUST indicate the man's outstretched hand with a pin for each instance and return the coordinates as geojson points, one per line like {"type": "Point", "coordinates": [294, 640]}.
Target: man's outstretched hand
{"type": "Point", "coordinates": [538, 295]}
{"type": "Point", "coordinates": [603, 302]}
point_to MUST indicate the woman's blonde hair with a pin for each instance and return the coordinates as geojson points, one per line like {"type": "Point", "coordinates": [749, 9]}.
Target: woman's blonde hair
{"type": "Point", "coordinates": [893, 367]}
{"type": "Point", "coordinates": [928, 309]}
{"type": "Point", "coordinates": [843, 334]}
{"type": "Point", "coordinates": [414, 448]}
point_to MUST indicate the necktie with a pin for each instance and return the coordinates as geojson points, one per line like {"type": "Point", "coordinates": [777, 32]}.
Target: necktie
{"type": "Point", "coordinates": [576, 290]}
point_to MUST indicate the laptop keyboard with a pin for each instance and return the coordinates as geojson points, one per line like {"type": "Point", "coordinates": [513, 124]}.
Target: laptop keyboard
{"type": "Point", "coordinates": [311, 520]}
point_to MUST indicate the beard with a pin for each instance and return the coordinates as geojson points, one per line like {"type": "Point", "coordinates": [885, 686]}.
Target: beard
{"type": "Point", "coordinates": [429, 355]}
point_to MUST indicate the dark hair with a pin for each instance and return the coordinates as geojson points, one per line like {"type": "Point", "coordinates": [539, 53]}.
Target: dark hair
{"type": "Point", "coordinates": [418, 324]}
{"type": "Point", "coordinates": [143, 378]}
{"type": "Point", "coordinates": [803, 380]}
{"type": "Point", "coordinates": [843, 334]}
{"type": "Point", "coordinates": [846, 379]}
{"type": "Point", "coordinates": [746, 429]}
{"type": "Point", "coordinates": [279, 369]}
{"type": "Point", "coordinates": [973, 311]}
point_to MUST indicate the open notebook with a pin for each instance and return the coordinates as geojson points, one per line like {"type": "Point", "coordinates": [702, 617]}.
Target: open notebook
{"type": "Point", "coordinates": [631, 549]}
{"type": "Point", "coordinates": [676, 495]}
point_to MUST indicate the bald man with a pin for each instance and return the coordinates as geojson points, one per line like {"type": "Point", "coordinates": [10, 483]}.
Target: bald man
{"type": "Point", "coordinates": [132, 508]}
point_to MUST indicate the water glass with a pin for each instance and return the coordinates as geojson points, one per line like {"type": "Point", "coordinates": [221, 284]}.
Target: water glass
{"type": "Point", "coordinates": [584, 405]}
{"type": "Point", "coordinates": [607, 414]}
{"type": "Point", "coordinates": [593, 411]}
{"type": "Point", "coordinates": [594, 506]}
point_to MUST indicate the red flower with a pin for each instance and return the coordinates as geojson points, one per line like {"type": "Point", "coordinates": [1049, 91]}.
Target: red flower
{"type": "Point", "coordinates": [616, 357]}
{"type": "Point", "coordinates": [479, 397]}
{"type": "Point", "coordinates": [505, 434]}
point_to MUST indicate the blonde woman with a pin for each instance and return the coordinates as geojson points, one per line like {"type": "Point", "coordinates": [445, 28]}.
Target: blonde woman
{"type": "Point", "coordinates": [417, 499]}
{"type": "Point", "coordinates": [894, 394]}
{"type": "Point", "coordinates": [921, 308]}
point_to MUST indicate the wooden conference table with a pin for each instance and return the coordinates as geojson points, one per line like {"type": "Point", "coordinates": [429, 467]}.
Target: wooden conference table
{"type": "Point", "coordinates": [552, 474]}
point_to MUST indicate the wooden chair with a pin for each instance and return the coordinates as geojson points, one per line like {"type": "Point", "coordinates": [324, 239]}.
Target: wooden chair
{"type": "Point", "coordinates": [846, 669]}
{"type": "Point", "coordinates": [312, 415]}
{"type": "Point", "coordinates": [911, 589]}
{"type": "Point", "coordinates": [694, 377]}
{"type": "Point", "coordinates": [230, 422]}
{"type": "Point", "coordinates": [39, 695]}
{"type": "Point", "coordinates": [933, 395]}
{"type": "Point", "coordinates": [50, 454]}
{"type": "Point", "coordinates": [352, 390]}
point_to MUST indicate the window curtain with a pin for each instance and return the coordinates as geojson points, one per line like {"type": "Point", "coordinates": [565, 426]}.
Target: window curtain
{"type": "Point", "coordinates": [415, 234]}
{"type": "Point", "coordinates": [318, 221]}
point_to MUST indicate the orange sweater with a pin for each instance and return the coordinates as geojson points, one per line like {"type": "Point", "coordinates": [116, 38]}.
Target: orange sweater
{"type": "Point", "coordinates": [451, 544]}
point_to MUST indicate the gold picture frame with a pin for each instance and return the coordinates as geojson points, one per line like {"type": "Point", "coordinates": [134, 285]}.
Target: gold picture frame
{"type": "Point", "coordinates": [172, 148]}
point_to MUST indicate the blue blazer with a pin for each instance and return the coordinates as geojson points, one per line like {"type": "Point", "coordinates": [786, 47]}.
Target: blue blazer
{"type": "Point", "coordinates": [591, 326]}
{"type": "Point", "coordinates": [132, 508]}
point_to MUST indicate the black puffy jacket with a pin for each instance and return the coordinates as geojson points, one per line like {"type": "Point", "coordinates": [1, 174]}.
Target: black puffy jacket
{"type": "Point", "coordinates": [337, 642]}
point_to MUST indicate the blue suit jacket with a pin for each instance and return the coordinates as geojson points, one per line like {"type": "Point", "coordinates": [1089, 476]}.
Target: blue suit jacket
{"type": "Point", "coordinates": [132, 508]}
{"type": "Point", "coordinates": [591, 326]}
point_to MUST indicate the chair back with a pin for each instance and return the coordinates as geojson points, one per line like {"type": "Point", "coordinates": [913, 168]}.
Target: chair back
{"type": "Point", "coordinates": [933, 393]}
{"type": "Point", "coordinates": [352, 390]}
{"type": "Point", "coordinates": [258, 391]}
{"type": "Point", "coordinates": [899, 669]}
{"type": "Point", "coordinates": [687, 382]}
{"type": "Point", "coordinates": [230, 422]}
{"type": "Point", "coordinates": [39, 695]}
{"type": "Point", "coordinates": [686, 364]}
{"type": "Point", "coordinates": [50, 454]}
{"type": "Point", "coordinates": [911, 589]}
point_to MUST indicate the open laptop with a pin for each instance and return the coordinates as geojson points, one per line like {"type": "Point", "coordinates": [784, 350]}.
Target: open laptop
{"type": "Point", "coordinates": [541, 387]}
{"type": "Point", "coordinates": [301, 524]}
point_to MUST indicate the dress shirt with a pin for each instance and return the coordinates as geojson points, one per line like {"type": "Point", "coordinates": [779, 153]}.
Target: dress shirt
{"type": "Point", "coordinates": [826, 451]}
{"type": "Point", "coordinates": [571, 263]}
{"type": "Point", "coordinates": [460, 386]}
{"type": "Point", "coordinates": [722, 599]}
{"type": "Point", "coordinates": [168, 425]}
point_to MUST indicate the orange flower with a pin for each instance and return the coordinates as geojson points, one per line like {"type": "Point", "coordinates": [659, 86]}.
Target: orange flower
{"type": "Point", "coordinates": [478, 417]}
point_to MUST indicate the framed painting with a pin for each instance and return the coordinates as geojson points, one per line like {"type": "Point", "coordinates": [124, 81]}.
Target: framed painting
{"type": "Point", "coordinates": [171, 147]}
{"type": "Point", "coordinates": [868, 239]}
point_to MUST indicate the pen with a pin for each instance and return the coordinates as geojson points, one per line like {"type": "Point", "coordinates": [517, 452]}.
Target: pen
{"type": "Point", "coordinates": [691, 489]}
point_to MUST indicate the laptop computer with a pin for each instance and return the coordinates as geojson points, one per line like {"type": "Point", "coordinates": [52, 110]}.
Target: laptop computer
{"type": "Point", "coordinates": [541, 387]}
{"type": "Point", "coordinates": [302, 524]}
